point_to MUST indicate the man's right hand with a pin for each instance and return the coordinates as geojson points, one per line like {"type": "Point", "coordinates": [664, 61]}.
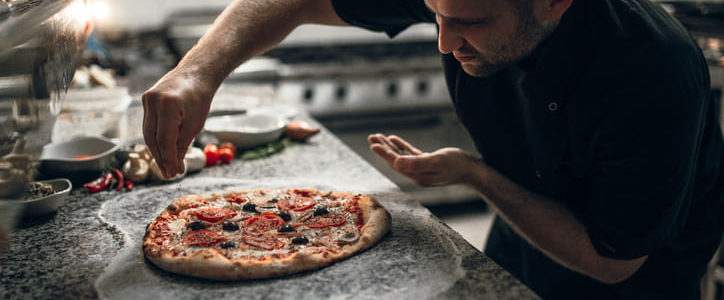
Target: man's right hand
{"type": "Point", "coordinates": [175, 110]}
{"type": "Point", "coordinates": [176, 107]}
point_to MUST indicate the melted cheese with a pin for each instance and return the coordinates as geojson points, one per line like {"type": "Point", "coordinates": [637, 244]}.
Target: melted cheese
{"type": "Point", "coordinates": [179, 226]}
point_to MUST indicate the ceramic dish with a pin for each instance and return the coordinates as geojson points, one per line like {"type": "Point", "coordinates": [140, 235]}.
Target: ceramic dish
{"type": "Point", "coordinates": [247, 131]}
{"type": "Point", "coordinates": [282, 110]}
{"type": "Point", "coordinates": [47, 204]}
{"type": "Point", "coordinates": [79, 155]}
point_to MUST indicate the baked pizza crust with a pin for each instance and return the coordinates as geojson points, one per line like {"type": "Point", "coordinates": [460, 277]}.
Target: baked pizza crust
{"type": "Point", "coordinates": [211, 264]}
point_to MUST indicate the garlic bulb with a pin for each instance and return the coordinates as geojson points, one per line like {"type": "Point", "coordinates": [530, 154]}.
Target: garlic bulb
{"type": "Point", "coordinates": [195, 159]}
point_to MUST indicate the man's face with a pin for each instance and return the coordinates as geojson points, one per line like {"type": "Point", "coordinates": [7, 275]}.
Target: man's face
{"type": "Point", "coordinates": [486, 36]}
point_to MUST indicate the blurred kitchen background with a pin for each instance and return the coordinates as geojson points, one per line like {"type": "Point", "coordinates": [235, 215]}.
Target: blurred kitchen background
{"type": "Point", "coordinates": [352, 81]}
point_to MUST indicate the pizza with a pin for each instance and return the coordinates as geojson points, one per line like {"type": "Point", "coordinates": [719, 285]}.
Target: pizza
{"type": "Point", "coordinates": [252, 234]}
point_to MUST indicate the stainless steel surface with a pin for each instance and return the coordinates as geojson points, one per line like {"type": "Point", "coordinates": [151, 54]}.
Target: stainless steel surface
{"type": "Point", "coordinates": [40, 45]}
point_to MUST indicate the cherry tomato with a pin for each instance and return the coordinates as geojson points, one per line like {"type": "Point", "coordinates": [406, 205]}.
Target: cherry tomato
{"type": "Point", "coordinates": [228, 145]}
{"type": "Point", "coordinates": [212, 154]}
{"type": "Point", "coordinates": [297, 203]}
{"type": "Point", "coordinates": [202, 238]}
{"type": "Point", "coordinates": [226, 155]}
{"type": "Point", "coordinates": [263, 223]}
{"type": "Point", "coordinates": [263, 242]}
{"type": "Point", "coordinates": [213, 215]}
{"type": "Point", "coordinates": [331, 220]}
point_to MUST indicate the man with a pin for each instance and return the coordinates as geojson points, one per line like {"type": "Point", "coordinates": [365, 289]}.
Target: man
{"type": "Point", "coordinates": [601, 152]}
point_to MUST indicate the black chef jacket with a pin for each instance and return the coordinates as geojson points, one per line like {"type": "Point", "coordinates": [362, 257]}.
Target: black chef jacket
{"type": "Point", "coordinates": [611, 116]}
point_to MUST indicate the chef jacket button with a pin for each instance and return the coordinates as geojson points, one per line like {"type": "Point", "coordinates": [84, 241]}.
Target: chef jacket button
{"type": "Point", "coordinates": [538, 174]}
{"type": "Point", "coordinates": [553, 106]}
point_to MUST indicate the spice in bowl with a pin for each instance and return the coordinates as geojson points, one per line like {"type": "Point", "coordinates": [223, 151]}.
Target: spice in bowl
{"type": "Point", "coordinates": [37, 190]}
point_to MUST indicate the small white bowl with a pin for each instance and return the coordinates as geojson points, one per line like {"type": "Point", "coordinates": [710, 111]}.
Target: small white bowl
{"type": "Point", "coordinates": [47, 204]}
{"type": "Point", "coordinates": [78, 155]}
{"type": "Point", "coordinates": [247, 131]}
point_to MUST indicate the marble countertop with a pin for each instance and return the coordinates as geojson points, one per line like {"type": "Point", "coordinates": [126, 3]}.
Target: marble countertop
{"type": "Point", "coordinates": [90, 248]}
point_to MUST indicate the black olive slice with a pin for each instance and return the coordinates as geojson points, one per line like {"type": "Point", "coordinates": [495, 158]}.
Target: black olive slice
{"type": "Point", "coordinates": [300, 240]}
{"type": "Point", "coordinates": [320, 211]}
{"type": "Point", "coordinates": [227, 245]}
{"type": "Point", "coordinates": [230, 226]}
{"type": "Point", "coordinates": [249, 207]}
{"type": "Point", "coordinates": [197, 225]}
{"type": "Point", "coordinates": [286, 228]}
{"type": "Point", "coordinates": [285, 215]}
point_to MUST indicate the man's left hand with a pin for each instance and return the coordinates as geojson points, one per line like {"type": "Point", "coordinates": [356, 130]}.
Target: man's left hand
{"type": "Point", "coordinates": [442, 167]}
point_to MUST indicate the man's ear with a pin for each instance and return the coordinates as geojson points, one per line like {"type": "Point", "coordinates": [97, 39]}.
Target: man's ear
{"type": "Point", "coordinates": [552, 9]}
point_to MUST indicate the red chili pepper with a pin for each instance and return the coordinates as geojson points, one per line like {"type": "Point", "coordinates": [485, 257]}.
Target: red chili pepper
{"type": "Point", "coordinates": [119, 176]}
{"type": "Point", "coordinates": [129, 185]}
{"type": "Point", "coordinates": [99, 184]}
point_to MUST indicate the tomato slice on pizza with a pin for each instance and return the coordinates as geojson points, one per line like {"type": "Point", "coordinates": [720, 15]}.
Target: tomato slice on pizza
{"type": "Point", "coordinates": [263, 242]}
{"type": "Point", "coordinates": [330, 220]}
{"type": "Point", "coordinates": [202, 238]}
{"type": "Point", "coordinates": [296, 203]}
{"type": "Point", "coordinates": [213, 215]}
{"type": "Point", "coordinates": [263, 223]}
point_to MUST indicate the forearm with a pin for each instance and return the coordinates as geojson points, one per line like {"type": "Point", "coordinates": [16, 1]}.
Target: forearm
{"type": "Point", "coordinates": [247, 28]}
{"type": "Point", "coordinates": [549, 226]}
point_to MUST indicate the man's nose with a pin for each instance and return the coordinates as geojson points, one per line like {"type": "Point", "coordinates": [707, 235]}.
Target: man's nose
{"type": "Point", "coordinates": [448, 38]}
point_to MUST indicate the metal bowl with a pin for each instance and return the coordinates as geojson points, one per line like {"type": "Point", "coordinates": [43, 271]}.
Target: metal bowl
{"type": "Point", "coordinates": [45, 205]}
{"type": "Point", "coordinates": [85, 154]}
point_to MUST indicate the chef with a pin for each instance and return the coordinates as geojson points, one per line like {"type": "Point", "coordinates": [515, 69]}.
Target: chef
{"type": "Point", "coordinates": [598, 141]}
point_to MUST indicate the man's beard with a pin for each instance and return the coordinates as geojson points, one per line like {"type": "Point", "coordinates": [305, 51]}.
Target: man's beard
{"type": "Point", "coordinates": [527, 37]}
{"type": "Point", "coordinates": [484, 69]}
